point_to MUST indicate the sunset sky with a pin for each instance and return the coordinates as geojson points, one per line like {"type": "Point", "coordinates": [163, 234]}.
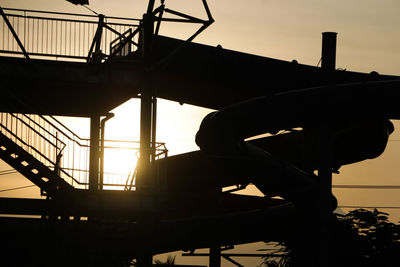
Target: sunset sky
{"type": "Point", "coordinates": [368, 40]}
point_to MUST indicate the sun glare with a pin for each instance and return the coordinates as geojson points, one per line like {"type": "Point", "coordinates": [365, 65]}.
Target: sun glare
{"type": "Point", "coordinates": [176, 127]}
{"type": "Point", "coordinates": [119, 165]}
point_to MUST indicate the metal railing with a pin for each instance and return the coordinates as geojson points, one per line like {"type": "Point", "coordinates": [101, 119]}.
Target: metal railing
{"type": "Point", "coordinates": [34, 135]}
{"type": "Point", "coordinates": [160, 151]}
{"type": "Point", "coordinates": [60, 149]}
{"type": "Point", "coordinates": [68, 35]}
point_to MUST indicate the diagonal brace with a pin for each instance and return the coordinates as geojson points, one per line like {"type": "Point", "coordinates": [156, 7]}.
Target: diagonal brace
{"type": "Point", "coordinates": [14, 33]}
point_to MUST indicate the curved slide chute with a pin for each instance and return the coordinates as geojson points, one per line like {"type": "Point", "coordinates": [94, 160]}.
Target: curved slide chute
{"type": "Point", "coordinates": [348, 110]}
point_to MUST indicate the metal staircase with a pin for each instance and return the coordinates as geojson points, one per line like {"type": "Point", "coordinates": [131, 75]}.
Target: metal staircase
{"type": "Point", "coordinates": [45, 154]}
{"type": "Point", "coordinates": [49, 181]}
{"type": "Point", "coordinates": [54, 158]}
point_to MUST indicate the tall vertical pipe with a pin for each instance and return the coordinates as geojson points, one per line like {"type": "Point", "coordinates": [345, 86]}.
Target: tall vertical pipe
{"type": "Point", "coordinates": [328, 57]}
{"type": "Point", "coordinates": [102, 133]}
{"type": "Point", "coordinates": [328, 64]}
{"type": "Point", "coordinates": [324, 194]}
{"type": "Point", "coordinates": [94, 152]}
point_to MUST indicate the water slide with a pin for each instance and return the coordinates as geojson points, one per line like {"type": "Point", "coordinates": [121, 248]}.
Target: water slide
{"type": "Point", "coordinates": [256, 95]}
{"type": "Point", "coordinates": [357, 115]}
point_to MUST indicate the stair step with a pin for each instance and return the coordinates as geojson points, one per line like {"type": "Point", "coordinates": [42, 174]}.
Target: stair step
{"type": "Point", "coordinates": [30, 167]}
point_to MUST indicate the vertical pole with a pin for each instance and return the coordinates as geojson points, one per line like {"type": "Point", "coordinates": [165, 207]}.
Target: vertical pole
{"type": "Point", "coordinates": [143, 180]}
{"type": "Point", "coordinates": [215, 256]}
{"type": "Point", "coordinates": [94, 152]}
{"type": "Point", "coordinates": [102, 134]}
{"type": "Point", "coordinates": [328, 59]}
{"type": "Point", "coordinates": [324, 194]}
{"type": "Point", "coordinates": [154, 128]}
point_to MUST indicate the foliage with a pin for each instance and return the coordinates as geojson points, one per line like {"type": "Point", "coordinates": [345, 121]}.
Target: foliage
{"type": "Point", "coordinates": [170, 261]}
{"type": "Point", "coordinates": [274, 259]}
{"type": "Point", "coordinates": [360, 238]}
{"type": "Point", "coordinates": [378, 239]}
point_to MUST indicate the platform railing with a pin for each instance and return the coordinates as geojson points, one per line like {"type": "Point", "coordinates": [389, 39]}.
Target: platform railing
{"type": "Point", "coordinates": [47, 34]}
{"type": "Point", "coordinates": [60, 149]}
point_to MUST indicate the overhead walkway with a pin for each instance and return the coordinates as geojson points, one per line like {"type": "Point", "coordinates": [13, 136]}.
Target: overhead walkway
{"type": "Point", "coordinates": [66, 75]}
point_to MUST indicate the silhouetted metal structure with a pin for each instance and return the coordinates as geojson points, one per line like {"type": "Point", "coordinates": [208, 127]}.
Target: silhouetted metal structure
{"type": "Point", "coordinates": [331, 118]}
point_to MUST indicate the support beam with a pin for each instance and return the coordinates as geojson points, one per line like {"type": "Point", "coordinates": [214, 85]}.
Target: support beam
{"type": "Point", "coordinates": [150, 6]}
{"type": "Point", "coordinates": [94, 155]}
{"type": "Point", "coordinates": [215, 256]}
{"type": "Point", "coordinates": [96, 43]}
{"type": "Point", "coordinates": [324, 193]}
{"type": "Point", "coordinates": [145, 179]}
{"type": "Point", "coordinates": [146, 108]}
{"type": "Point", "coordinates": [99, 33]}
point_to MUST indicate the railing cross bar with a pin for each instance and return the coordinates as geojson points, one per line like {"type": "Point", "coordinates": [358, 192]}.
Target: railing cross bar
{"type": "Point", "coordinates": [10, 27]}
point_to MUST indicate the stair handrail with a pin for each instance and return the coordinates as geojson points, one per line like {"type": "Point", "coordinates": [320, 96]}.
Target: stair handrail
{"type": "Point", "coordinates": [65, 128]}
{"type": "Point", "coordinates": [33, 121]}
{"type": "Point", "coordinates": [26, 144]}
{"type": "Point", "coordinates": [33, 148]}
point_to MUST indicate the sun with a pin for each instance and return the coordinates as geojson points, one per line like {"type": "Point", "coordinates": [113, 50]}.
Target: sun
{"type": "Point", "coordinates": [119, 166]}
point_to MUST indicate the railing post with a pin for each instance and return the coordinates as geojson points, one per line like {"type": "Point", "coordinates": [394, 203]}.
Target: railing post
{"type": "Point", "coordinates": [94, 152]}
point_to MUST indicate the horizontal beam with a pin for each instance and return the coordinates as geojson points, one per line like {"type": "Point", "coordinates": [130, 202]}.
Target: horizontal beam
{"type": "Point", "coordinates": [23, 206]}
{"type": "Point", "coordinates": [238, 254]}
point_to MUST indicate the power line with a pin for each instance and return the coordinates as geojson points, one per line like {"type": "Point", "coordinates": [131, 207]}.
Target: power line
{"type": "Point", "coordinates": [350, 186]}
{"type": "Point", "coordinates": [16, 188]}
{"type": "Point", "coordinates": [9, 172]}
{"type": "Point", "coordinates": [368, 207]}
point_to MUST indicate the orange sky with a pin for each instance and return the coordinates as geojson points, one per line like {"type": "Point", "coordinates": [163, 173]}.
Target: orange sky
{"type": "Point", "coordinates": [368, 39]}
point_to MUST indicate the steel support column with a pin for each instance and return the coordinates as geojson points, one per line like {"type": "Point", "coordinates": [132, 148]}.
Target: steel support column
{"type": "Point", "coordinates": [146, 107]}
{"type": "Point", "coordinates": [215, 256]}
{"type": "Point", "coordinates": [94, 152]}
{"type": "Point", "coordinates": [144, 180]}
